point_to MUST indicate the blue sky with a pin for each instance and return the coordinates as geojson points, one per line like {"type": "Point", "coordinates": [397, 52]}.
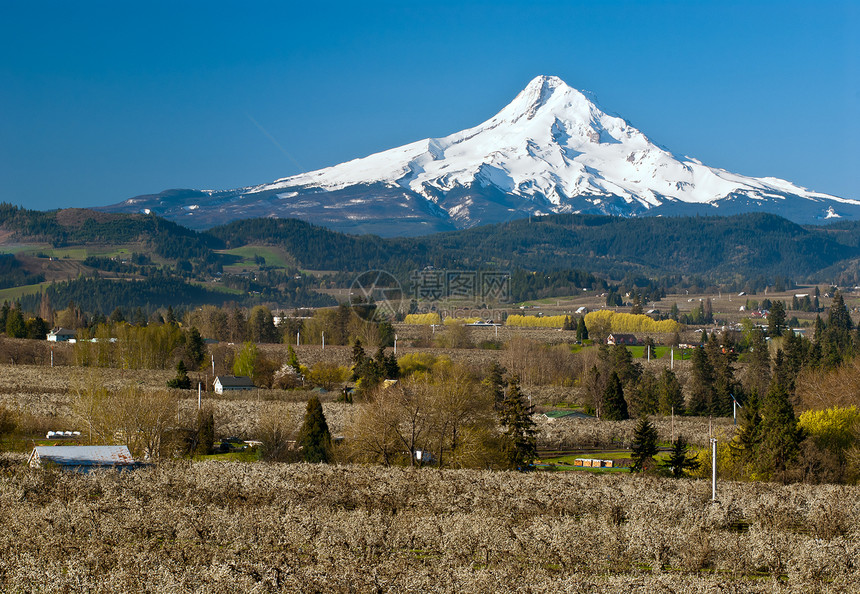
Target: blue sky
{"type": "Point", "coordinates": [100, 102]}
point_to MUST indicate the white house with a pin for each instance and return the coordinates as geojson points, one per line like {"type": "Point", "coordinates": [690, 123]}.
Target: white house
{"type": "Point", "coordinates": [227, 383]}
{"type": "Point", "coordinates": [61, 335]}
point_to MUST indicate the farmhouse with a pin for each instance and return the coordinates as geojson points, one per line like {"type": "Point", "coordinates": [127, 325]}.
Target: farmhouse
{"type": "Point", "coordinates": [227, 383]}
{"type": "Point", "coordinates": [61, 335]}
{"type": "Point", "coordinates": [82, 458]}
{"type": "Point", "coordinates": [626, 339]}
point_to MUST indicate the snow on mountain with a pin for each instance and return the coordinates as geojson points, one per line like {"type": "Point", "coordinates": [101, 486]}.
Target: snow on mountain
{"type": "Point", "coordinates": [550, 150]}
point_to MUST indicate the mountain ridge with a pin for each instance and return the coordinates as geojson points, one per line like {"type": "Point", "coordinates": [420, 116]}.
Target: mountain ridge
{"type": "Point", "coordinates": [550, 150]}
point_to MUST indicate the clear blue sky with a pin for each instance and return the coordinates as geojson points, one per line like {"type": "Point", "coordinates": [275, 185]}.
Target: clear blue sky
{"type": "Point", "coordinates": [103, 101]}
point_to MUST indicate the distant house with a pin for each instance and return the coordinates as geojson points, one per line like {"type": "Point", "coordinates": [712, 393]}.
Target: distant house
{"type": "Point", "coordinates": [228, 383]}
{"type": "Point", "coordinates": [581, 310]}
{"type": "Point", "coordinates": [82, 458]}
{"type": "Point", "coordinates": [61, 335]}
{"type": "Point", "coordinates": [625, 339]}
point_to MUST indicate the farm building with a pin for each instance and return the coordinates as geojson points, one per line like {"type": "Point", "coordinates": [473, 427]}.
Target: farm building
{"type": "Point", "coordinates": [227, 383]}
{"type": "Point", "coordinates": [625, 339]}
{"type": "Point", "coordinates": [82, 458]}
{"type": "Point", "coordinates": [61, 335]}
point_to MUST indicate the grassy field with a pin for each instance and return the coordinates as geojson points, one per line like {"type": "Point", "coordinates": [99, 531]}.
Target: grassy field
{"type": "Point", "coordinates": [14, 293]}
{"type": "Point", "coordinates": [274, 256]}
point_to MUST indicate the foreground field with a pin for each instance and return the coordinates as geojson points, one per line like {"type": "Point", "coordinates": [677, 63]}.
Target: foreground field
{"type": "Point", "coordinates": [232, 527]}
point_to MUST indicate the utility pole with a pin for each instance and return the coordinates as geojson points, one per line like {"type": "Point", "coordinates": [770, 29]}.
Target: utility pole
{"type": "Point", "coordinates": [713, 469]}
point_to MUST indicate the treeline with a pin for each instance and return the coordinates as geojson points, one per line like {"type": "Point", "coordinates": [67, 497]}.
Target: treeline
{"type": "Point", "coordinates": [12, 275]}
{"type": "Point", "coordinates": [102, 296]}
{"type": "Point", "coordinates": [98, 296]}
{"type": "Point", "coordinates": [718, 248]}
{"type": "Point", "coordinates": [80, 226]}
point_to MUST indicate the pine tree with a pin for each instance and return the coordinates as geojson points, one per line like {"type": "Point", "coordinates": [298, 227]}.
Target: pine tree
{"type": "Point", "coordinates": [671, 395]}
{"type": "Point", "coordinates": [780, 434]}
{"type": "Point", "coordinates": [701, 383]}
{"type": "Point", "coordinates": [614, 404]}
{"type": "Point", "coordinates": [567, 325]}
{"type": "Point", "coordinates": [644, 444]}
{"type": "Point", "coordinates": [627, 369]}
{"type": "Point", "coordinates": [195, 348]}
{"type": "Point", "coordinates": [724, 380]}
{"type": "Point", "coordinates": [776, 319]}
{"type": "Point", "coordinates": [204, 436]}
{"type": "Point", "coordinates": [679, 461]}
{"type": "Point", "coordinates": [520, 435]}
{"type": "Point", "coordinates": [744, 446]}
{"type": "Point", "coordinates": [181, 381]}
{"type": "Point", "coordinates": [581, 330]}
{"type": "Point", "coordinates": [358, 359]}
{"type": "Point", "coordinates": [839, 317]}
{"type": "Point", "coordinates": [314, 436]}
{"type": "Point", "coordinates": [758, 363]}
{"type": "Point", "coordinates": [392, 368]}
{"type": "Point", "coordinates": [495, 382]}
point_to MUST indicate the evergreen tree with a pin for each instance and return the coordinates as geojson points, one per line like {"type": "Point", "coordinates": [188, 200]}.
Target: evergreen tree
{"type": "Point", "coordinates": [644, 444]}
{"type": "Point", "coordinates": [581, 330]}
{"type": "Point", "coordinates": [392, 368]}
{"type": "Point", "coordinates": [780, 435]}
{"type": "Point", "coordinates": [520, 435]}
{"type": "Point", "coordinates": [4, 315]}
{"type": "Point", "coordinates": [293, 360]}
{"type": "Point", "coordinates": [495, 382]}
{"type": "Point", "coordinates": [195, 348]}
{"type": "Point", "coordinates": [671, 396]}
{"type": "Point", "coordinates": [36, 328]}
{"type": "Point", "coordinates": [203, 440]}
{"type": "Point", "coordinates": [649, 348]}
{"type": "Point", "coordinates": [181, 381]}
{"type": "Point", "coordinates": [744, 446]}
{"type": "Point", "coordinates": [776, 319]}
{"type": "Point", "coordinates": [314, 436]}
{"type": "Point", "coordinates": [839, 317]}
{"type": "Point", "coordinates": [614, 404]}
{"type": "Point", "coordinates": [139, 317]}
{"type": "Point", "coordinates": [386, 333]}
{"type": "Point", "coordinates": [627, 369]}
{"type": "Point", "coordinates": [15, 325]}
{"type": "Point", "coordinates": [701, 383]}
{"type": "Point", "coordinates": [679, 460]}
{"type": "Point", "coordinates": [117, 316]}
{"type": "Point", "coordinates": [758, 363]}
{"type": "Point", "coordinates": [643, 397]}
{"type": "Point", "coordinates": [724, 385]}
{"type": "Point", "coordinates": [358, 358]}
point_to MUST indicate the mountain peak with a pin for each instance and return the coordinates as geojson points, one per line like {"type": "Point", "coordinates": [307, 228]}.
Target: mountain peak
{"type": "Point", "coordinates": [551, 149]}
{"type": "Point", "coordinates": [551, 93]}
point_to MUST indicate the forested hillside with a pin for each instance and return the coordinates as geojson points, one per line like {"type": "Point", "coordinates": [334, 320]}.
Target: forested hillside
{"type": "Point", "coordinates": [718, 248]}
{"type": "Point", "coordinates": [546, 256]}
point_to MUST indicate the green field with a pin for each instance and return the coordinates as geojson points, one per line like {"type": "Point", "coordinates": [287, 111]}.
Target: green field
{"type": "Point", "coordinates": [13, 293]}
{"type": "Point", "coordinates": [72, 252]}
{"type": "Point", "coordinates": [274, 256]}
{"type": "Point", "coordinates": [218, 288]}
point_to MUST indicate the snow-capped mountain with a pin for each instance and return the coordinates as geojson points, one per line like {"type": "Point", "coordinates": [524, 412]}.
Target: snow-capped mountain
{"type": "Point", "coordinates": [551, 150]}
